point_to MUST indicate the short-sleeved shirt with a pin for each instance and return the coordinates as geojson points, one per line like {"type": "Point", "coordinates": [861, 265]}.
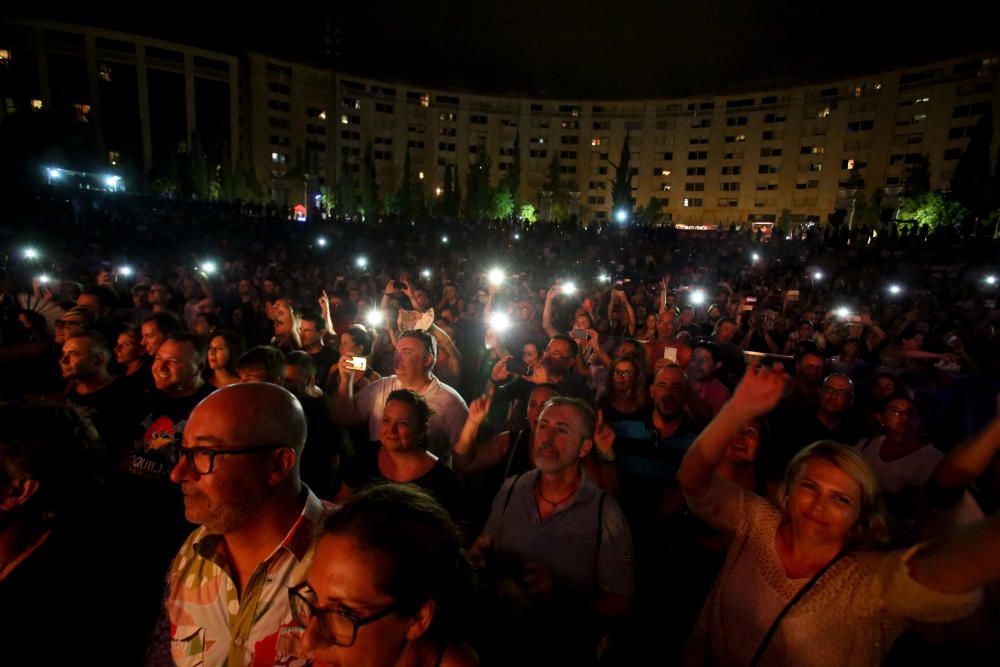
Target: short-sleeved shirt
{"type": "Point", "coordinates": [445, 425]}
{"type": "Point", "coordinates": [567, 543]}
{"type": "Point", "coordinates": [211, 623]}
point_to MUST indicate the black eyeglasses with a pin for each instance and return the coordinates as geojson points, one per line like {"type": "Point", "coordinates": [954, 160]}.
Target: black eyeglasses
{"type": "Point", "coordinates": [202, 459]}
{"type": "Point", "coordinates": [338, 626]}
{"type": "Point", "coordinates": [622, 374]}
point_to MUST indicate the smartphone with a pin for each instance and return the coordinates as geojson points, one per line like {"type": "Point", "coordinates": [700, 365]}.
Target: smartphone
{"type": "Point", "coordinates": [670, 354]}
{"type": "Point", "coordinates": [854, 319]}
{"type": "Point", "coordinates": [392, 284]}
{"type": "Point", "coordinates": [793, 295]}
{"type": "Point", "coordinates": [517, 366]}
{"type": "Point", "coordinates": [580, 334]}
{"type": "Point", "coordinates": [358, 364]}
{"type": "Point", "coordinates": [751, 299]}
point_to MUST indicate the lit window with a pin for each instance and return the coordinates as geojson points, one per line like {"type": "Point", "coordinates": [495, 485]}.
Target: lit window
{"type": "Point", "coordinates": [36, 105]}
{"type": "Point", "coordinates": [420, 176]}
{"type": "Point", "coordinates": [740, 138]}
{"type": "Point", "coordinates": [824, 113]}
{"type": "Point", "coordinates": [850, 164]}
{"type": "Point", "coordinates": [425, 101]}
{"type": "Point", "coordinates": [82, 113]}
{"type": "Point", "coordinates": [859, 91]}
{"type": "Point", "coordinates": [322, 115]}
{"type": "Point", "coordinates": [344, 120]}
{"type": "Point", "coordinates": [4, 57]}
{"type": "Point", "coordinates": [667, 172]}
{"type": "Point", "coordinates": [105, 72]}
{"type": "Point", "coordinates": [686, 201]}
{"type": "Point", "coordinates": [878, 87]}
{"type": "Point", "coordinates": [596, 141]}
{"type": "Point", "coordinates": [114, 157]}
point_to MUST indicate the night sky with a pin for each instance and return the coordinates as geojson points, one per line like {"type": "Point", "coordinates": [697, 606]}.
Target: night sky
{"type": "Point", "coordinates": [610, 49]}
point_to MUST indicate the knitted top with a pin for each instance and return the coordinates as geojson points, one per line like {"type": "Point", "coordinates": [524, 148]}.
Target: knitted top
{"type": "Point", "coordinates": [850, 617]}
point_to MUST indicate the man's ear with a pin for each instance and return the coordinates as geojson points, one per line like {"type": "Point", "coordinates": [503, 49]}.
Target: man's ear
{"type": "Point", "coordinates": [17, 493]}
{"type": "Point", "coordinates": [284, 462]}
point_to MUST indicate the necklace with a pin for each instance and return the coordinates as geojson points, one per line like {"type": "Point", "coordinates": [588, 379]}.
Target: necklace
{"type": "Point", "coordinates": [557, 503]}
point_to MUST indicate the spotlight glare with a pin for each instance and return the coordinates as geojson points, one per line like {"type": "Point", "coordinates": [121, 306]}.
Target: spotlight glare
{"type": "Point", "coordinates": [569, 287]}
{"type": "Point", "coordinates": [495, 277]}
{"type": "Point", "coordinates": [698, 297]}
{"type": "Point", "coordinates": [361, 261]}
{"type": "Point", "coordinates": [499, 322]}
{"type": "Point", "coordinates": [374, 317]}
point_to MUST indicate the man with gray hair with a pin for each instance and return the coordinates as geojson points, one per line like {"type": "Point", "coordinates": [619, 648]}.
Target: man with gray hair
{"type": "Point", "coordinates": [226, 601]}
{"type": "Point", "coordinates": [558, 538]}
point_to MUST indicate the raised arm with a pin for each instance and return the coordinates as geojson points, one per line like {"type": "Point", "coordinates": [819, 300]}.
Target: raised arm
{"type": "Point", "coordinates": [756, 395]}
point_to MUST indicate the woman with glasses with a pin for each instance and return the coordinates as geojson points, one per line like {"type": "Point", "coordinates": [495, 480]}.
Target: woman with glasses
{"type": "Point", "coordinates": [389, 585]}
{"type": "Point", "coordinates": [625, 392]}
{"type": "Point", "coordinates": [804, 582]}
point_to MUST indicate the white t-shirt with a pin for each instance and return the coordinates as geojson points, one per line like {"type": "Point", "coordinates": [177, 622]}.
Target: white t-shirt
{"type": "Point", "coordinates": [445, 426]}
{"type": "Point", "coordinates": [914, 469]}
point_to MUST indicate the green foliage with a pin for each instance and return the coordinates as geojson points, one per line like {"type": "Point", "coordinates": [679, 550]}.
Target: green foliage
{"type": "Point", "coordinates": [931, 210]}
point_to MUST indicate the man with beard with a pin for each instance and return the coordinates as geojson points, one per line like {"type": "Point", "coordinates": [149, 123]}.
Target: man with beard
{"type": "Point", "coordinates": [238, 469]}
{"type": "Point", "coordinates": [560, 544]}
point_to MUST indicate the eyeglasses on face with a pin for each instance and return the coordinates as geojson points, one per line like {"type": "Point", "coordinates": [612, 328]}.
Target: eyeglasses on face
{"type": "Point", "coordinates": [202, 459]}
{"type": "Point", "coordinates": [337, 626]}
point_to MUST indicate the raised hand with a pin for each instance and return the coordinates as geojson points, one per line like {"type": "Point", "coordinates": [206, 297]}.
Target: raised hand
{"type": "Point", "coordinates": [604, 436]}
{"type": "Point", "coordinates": [760, 389]}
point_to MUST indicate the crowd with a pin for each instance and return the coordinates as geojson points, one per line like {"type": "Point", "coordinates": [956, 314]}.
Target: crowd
{"type": "Point", "coordinates": [249, 438]}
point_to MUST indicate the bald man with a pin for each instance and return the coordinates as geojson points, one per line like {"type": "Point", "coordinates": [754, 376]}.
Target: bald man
{"type": "Point", "coordinates": [238, 469]}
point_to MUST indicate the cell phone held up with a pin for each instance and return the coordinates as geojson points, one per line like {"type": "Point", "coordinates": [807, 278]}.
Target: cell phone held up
{"type": "Point", "coordinates": [359, 364]}
{"type": "Point", "coordinates": [580, 334]}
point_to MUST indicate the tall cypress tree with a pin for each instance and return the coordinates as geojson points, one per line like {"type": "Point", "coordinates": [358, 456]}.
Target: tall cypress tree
{"type": "Point", "coordinates": [621, 187]}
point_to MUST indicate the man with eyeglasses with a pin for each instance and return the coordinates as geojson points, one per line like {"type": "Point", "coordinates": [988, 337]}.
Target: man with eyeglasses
{"type": "Point", "coordinates": [556, 366]}
{"type": "Point", "coordinates": [226, 601]}
{"type": "Point", "coordinates": [832, 419]}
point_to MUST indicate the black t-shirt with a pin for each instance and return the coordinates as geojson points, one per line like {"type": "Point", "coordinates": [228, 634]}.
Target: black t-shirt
{"type": "Point", "coordinates": [113, 411]}
{"type": "Point", "coordinates": [325, 446]}
{"type": "Point", "coordinates": [162, 423]}
{"type": "Point", "coordinates": [440, 481]}
{"type": "Point", "coordinates": [324, 360]}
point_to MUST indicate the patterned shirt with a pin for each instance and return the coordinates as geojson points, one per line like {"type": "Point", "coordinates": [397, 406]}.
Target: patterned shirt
{"type": "Point", "coordinates": [211, 624]}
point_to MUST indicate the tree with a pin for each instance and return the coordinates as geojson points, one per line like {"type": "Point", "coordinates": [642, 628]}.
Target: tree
{"type": "Point", "coordinates": [478, 192]}
{"type": "Point", "coordinates": [346, 199]}
{"type": "Point", "coordinates": [503, 204]}
{"type": "Point", "coordinates": [528, 214]}
{"type": "Point", "coordinates": [449, 196]}
{"type": "Point", "coordinates": [369, 186]}
{"type": "Point", "coordinates": [404, 195]}
{"type": "Point", "coordinates": [971, 183]}
{"type": "Point", "coordinates": [785, 221]}
{"type": "Point", "coordinates": [511, 181]}
{"type": "Point", "coordinates": [651, 214]}
{"type": "Point", "coordinates": [621, 188]}
{"type": "Point", "coordinates": [198, 168]}
{"type": "Point", "coordinates": [931, 210]}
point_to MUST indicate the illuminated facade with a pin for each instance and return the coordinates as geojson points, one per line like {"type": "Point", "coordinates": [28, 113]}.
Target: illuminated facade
{"type": "Point", "coordinates": [711, 159]}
